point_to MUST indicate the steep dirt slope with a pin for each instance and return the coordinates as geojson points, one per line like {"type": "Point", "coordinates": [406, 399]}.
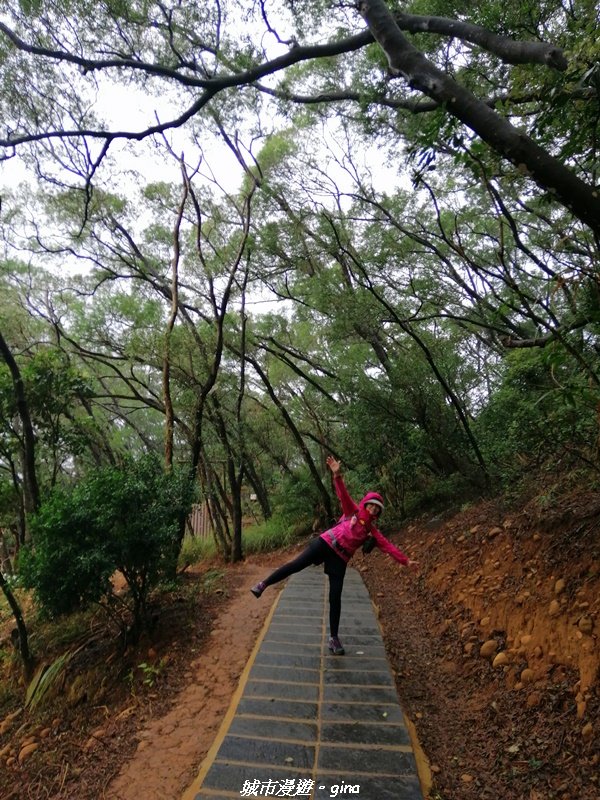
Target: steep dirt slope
{"type": "Point", "coordinates": [495, 647]}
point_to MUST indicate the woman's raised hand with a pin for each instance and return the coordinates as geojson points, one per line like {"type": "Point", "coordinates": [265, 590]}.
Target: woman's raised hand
{"type": "Point", "coordinates": [334, 465]}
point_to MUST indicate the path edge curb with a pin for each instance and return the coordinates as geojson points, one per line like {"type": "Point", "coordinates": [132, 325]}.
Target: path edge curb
{"type": "Point", "coordinates": [193, 789]}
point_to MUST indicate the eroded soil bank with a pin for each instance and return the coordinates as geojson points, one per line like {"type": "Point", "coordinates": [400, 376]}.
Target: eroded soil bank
{"type": "Point", "coordinates": [495, 647]}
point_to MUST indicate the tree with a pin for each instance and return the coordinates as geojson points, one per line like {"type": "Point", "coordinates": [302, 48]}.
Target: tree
{"type": "Point", "coordinates": [31, 493]}
{"type": "Point", "coordinates": [116, 518]}
{"type": "Point", "coordinates": [192, 52]}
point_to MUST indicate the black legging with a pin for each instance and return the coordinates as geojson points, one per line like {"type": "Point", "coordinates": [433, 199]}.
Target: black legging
{"type": "Point", "coordinates": [318, 552]}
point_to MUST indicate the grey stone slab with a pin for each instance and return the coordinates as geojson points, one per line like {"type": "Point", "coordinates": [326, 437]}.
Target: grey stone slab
{"type": "Point", "coordinates": [362, 712]}
{"type": "Point", "coordinates": [371, 788]}
{"type": "Point", "coordinates": [358, 678]}
{"type": "Point", "coordinates": [358, 694]}
{"type": "Point", "coordinates": [266, 752]}
{"type": "Point", "coordinates": [205, 796]}
{"type": "Point", "coordinates": [357, 638]}
{"type": "Point", "coordinates": [291, 674]}
{"type": "Point", "coordinates": [266, 659]}
{"type": "Point", "coordinates": [356, 662]}
{"type": "Point", "coordinates": [367, 646]}
{"type": "Point", "coordinates": [293, 616]}
{"type": "Point", "coordinates": [305, 626]}
{"type": "Point", "coordinates": [294, 709]}
{"type": "Point", "coordinates": [356, 759]}
{"type": "Point", "coordinates": [282, 690]}
{"type": "Point", "coordinates": [231, 777]}
{"type": "Point", "coordinates": [360, 624]}
{"type": "Point", "coordinates": [355, 651]}
{"type": "Point", "coordinates": [274, 728]}
{"type": "Point", "coordinates": [294, 637]}
{"type": "Point", "coordinates": [384, 733]}
{"type": "Point", "coordinates": [300, 604]}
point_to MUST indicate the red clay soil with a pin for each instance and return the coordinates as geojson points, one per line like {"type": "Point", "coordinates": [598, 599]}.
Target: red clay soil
{"type": "Point", "coordinates": [517, 720]}
{"type": "Point", "coordinates": [495, 648]}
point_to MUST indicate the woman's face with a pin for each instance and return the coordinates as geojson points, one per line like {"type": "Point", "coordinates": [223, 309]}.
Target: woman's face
{"type": "Point", "coordinates": [373, 509]}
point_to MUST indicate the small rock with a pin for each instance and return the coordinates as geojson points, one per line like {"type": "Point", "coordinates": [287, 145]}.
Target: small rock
{"type": "Point", "coordinates": [488, 648]}
{"type": "Point", "coordinates": [494, 532]}
{"type": "Point", "coordinates": [29, 740]}
{"type": "Point", "coordinates": [501, 660]}
{"type": "Point", "coordinates": [534, 699]}
{"type": "Point", "coordinates": [587, 731]}
{"type": "Point", "coordinates": [527, 676]}
{"type": "Point", "coordinates": [5, 750]}
{"type": "Point", "coordinates": [520, 599]}
{"type": "Point", "coordinates": [559, 586]}
{"type": "Point", "coordinates": [466, 778]}
{"type": "Point", "coordinates": [26, 751]}
{"type": "Point", "coordinates": [435, 769]}
{"type": "Point", "coordinates": [526, 639]}
{"type": "Point", "coordinates": [586, 625]}
{"type": "Point", "coordinates": [554, 608]}
{"type": "Point", "coordinates": [8, 720]}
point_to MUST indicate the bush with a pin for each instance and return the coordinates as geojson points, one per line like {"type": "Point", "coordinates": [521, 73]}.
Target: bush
{"type": "Point", "coordinates": [269, 535]}
{"type": "Point", "coordinates": [117, 518]}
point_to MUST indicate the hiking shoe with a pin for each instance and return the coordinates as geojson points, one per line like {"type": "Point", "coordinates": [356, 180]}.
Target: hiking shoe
{"type": "Point", "coordinates": [335, 646]}
{"type": "Point", "coordinates": [258, 589]}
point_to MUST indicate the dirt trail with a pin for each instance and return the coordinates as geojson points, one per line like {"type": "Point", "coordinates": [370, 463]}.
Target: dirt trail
{"type": "Point", "coordinates": [172, 747]}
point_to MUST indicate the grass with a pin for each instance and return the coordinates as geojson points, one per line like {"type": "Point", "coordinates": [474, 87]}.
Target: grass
{"type": "Point", "coordinates": [261, 538]}
{"type": "Point", "coordinates": [270, 535]}
{"type": "Point", "coordinates": [194, 549]}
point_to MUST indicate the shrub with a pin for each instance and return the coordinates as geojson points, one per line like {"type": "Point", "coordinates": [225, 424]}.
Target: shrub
{"type": "Point", "coordinates": [123, 518]}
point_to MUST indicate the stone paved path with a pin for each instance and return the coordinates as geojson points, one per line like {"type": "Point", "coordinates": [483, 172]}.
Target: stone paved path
{"type": "Point", "coordinates": [307, 724]}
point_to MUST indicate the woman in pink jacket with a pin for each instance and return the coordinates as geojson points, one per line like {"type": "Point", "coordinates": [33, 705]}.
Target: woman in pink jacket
{"type": "Point", "coordinates": [335, 548]}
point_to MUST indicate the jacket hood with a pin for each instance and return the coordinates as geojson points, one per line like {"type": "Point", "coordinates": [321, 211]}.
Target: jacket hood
{"type": "Point", "coordinates": [371, 497]}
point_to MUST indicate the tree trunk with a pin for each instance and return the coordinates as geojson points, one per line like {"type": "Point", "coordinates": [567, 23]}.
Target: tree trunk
{"type": "Point", "coordinates": [323, 493]}
{"type": "Point", "coordinates": [6, 566]}
{"type": "Point", "coordinates": [31, 490]}
{"type": "Point", "coordinates": [259, 489]}
{"type": "Point", "coordinates": [22, 638]}
{"type": "Point", "coordinates": [169, 414]}
{"type": "Point", "coordinates": [548, 172]}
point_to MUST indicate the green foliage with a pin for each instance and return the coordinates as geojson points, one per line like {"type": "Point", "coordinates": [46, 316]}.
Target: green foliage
{"type": "Point", "coordinates": [195, 549]}
{"type": "Point", "coordinates": [116, 518]}
{"type": "Point", "coordinates": [152, 672]}
{"type": "Point", "coordinates": [44, 680]}
{"type": "Point", "coordinates": [542, 407]}
{"type": "Point", "coordinates": [269, 535]}
{"type": "Point", "coordinates": [296, 501]}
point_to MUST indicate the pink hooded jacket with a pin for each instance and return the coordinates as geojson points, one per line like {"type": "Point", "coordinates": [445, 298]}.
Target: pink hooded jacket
{"type": "Point", "coordinates": [355, 524]}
